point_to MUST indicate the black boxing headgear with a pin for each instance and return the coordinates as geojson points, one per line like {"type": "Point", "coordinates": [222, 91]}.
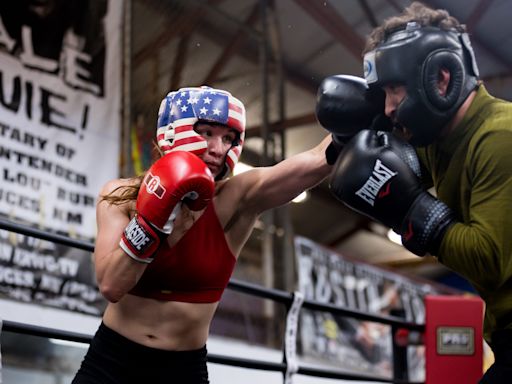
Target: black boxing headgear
{"type": "Point", "coordinates": [413, 57]}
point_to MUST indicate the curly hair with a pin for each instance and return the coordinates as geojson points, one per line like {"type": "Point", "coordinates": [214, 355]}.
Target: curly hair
{"type": "Point", "coordinates": [417, 12]}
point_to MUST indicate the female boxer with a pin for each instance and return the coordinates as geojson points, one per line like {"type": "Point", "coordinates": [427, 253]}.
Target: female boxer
{"type": "Point", "coordinates": [168, 241]}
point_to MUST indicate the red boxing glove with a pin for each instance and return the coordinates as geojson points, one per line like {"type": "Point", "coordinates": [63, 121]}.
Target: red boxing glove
{"type": "Point", "coordinates": [176, 177]}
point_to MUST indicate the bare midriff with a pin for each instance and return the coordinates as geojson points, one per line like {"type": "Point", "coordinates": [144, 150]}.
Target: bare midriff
{"type": "Point", "coordinates": [168, 325]}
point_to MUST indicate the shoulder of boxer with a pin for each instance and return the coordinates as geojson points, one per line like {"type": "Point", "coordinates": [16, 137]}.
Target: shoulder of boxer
{"type": "Point", "coordinates": [235, 216]}
{"type": "Point", "coordinates": [107, 210]}
{"type": "Point", "coordinates": [230, 190]}
{"type": "Point", "coordinates": [231, 193]}
{"type": "Point", "coordinates": [115, 188]}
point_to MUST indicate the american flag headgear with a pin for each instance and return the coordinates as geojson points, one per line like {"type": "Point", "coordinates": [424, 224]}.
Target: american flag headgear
{"type": "Point", "coordinates": [181, 110]}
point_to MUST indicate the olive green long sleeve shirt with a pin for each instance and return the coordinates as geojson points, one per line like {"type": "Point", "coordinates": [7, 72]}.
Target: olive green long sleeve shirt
{"type": "Point", "coordinates": [471, 169]}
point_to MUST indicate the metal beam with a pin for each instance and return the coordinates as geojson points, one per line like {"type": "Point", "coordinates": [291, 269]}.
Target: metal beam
{"type": "Point", "coordinates": [477, 14]}
{"type": "Point", "coordinates": [492, 52]}
{"type": "Point", "coordinates": [329, 19]}
{"type": "Point", "coordinates": [194, 20]}
{"type": "Point", "coordinates": [281, 126]}
{"type": "Point", "coordinates": [179, 62]}
{"type": "Point", "coordinates": [370, 15]}
{"type": "Point", "coordinates": [183, 24]}
{"type": "Point", "coordinates": [498, 77]}
{"type": "Point", "coordinates": [250, 54]}
{"type": "Point", "coordinates": [231, 48]}
{"type": "Point", "coordinates": [395, 5]}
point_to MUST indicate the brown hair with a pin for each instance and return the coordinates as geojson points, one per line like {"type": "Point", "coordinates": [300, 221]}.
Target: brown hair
{"type": "Point", "coordinates": [126, 193]}
{"type": "Point", "coordinates": [417, 12]}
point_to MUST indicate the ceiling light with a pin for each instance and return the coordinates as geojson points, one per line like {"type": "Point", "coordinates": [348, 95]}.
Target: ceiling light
{"type": "Point", "coordinates": [241, 168]}
{"type": "Point", "coordinates": [394, 237]}
{"type": "Point", "coordinates": [301, 197]}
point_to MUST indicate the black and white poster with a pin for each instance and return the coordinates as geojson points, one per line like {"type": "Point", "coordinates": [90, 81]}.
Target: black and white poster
{"type": "Point", "coordinates": [60, 123]}
{"type": "Point", "coordinates": [347, 343]}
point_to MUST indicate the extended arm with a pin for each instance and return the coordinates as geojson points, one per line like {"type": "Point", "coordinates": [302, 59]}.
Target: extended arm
{"type": "Point", "coordinates": [269, 187]}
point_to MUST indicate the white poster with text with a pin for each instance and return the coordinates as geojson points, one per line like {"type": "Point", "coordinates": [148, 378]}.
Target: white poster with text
{"type": "Point", "coordinates": [60, 124]}
{"type": "Point", "coordinates": [60, 92]}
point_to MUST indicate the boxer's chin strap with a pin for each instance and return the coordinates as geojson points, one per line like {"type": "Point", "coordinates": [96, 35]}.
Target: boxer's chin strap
{"type": "Point", "coordinates": [290, 337]}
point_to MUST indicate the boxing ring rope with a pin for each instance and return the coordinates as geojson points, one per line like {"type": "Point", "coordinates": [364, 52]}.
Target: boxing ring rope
{"type": "Point", "coordinates": [286, 298]}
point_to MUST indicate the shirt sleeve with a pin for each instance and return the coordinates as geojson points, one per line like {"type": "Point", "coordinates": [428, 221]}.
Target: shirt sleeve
{"type": "Point", "coordinates": [480, 248]}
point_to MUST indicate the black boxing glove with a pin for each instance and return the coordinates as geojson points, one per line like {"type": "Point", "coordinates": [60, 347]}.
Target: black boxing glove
{"type": "Point", "coordinates": [372, 176]}
{"type": "Point", "coordinates": [345, 106]}
{"type": "Point", "coordinates": [333, 149]}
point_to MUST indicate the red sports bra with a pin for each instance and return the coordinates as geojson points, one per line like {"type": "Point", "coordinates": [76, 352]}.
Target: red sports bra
{"type": "Point", "coordinates": [197, 269]}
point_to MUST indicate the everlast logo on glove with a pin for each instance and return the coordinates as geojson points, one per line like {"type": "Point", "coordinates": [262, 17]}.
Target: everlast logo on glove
{"type": "Point", "coordinates": [137, 236]}
{"type": "Point", "coordinates": [380, 176]}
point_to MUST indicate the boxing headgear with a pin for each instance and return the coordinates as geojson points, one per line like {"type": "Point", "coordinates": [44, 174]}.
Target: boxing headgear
{"type": "Point", "coordinates": [181, 110]}
{"type": "Point", "coordinates": [413, 57]}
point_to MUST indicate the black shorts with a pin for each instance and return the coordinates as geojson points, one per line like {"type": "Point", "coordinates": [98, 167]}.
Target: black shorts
{"type": "Point", "coordinates": [114, 359]}
{"type": "Point", "coordinates": [501, 371]}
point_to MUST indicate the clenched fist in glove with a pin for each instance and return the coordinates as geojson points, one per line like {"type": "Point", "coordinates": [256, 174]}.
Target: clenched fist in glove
{"type": "Point", "coordinates": [174, 178]}
{"type": "Point", "coordinates": [376, 174]}
{"type": "Point", "coordinates": [345, 106]}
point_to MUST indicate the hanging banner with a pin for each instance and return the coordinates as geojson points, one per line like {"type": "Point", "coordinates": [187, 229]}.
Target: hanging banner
{"type": "Point", "coordinates": [60, 123]}
{"type": "Point", "coordinates": [60, 92]}
{"type": "Point", "coordinates": [347, 343]}
{"type": "Point", "coordinates": [36, 271]}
